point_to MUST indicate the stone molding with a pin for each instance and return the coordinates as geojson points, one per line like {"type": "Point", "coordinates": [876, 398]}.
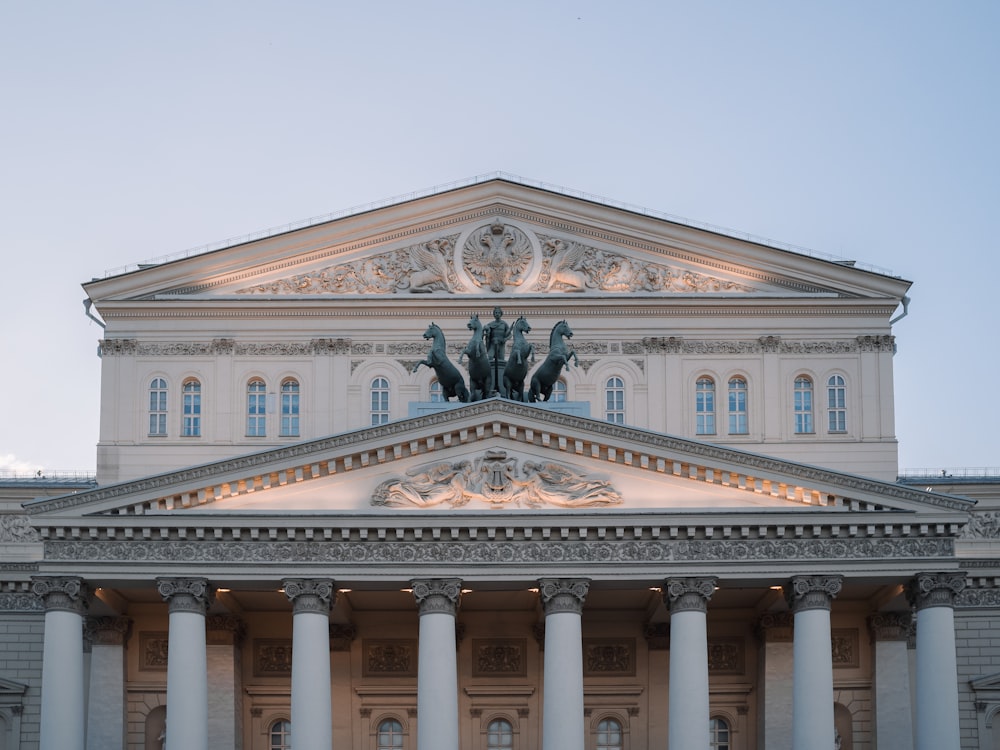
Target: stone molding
{"type": "Point", "coordinates": [889, 626]}
{"type": "Point", "coordinates": [767, 345]}
{"type": "Point", "coordinates": [20, 601]}
{"type": "Point", "coordinates": [563, 594]}
{"type": "Point", "coordinates": [185, 594]}
{"type": "Point", "coordinates": [314, 595]}
{"type": "Point", "coordinates": [62, 594]}
{"type": "Point", "coordinates": [934, 589]}
{"type": "Point", "coordinates": [688, 594]}
{"type": "Point", "coordinates": [106, 630]}
{"type": "Point", "coordinates": [437, 595]}
{"type": "Point", "coordinates": [812, 592]}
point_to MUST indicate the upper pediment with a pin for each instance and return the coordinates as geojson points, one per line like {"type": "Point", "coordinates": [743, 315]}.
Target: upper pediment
{"type": "Point", "coordinates": [498, 457]}
{"type": "Point", "coordinates": [496, 238]}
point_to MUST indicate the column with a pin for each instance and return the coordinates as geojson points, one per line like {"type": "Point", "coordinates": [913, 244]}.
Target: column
{"type": "Point", "coordinates": [106, 707]}
{"type": "Point", "coordinates": [893, 725]}
{"type": "Point", "coordinates": [774, 728]}
{"type": "Point", "coordinates": [933, 595]}
{"type": "Point", "coordinates": [312, 717]}
{"type": "Point", "coordinates": [810, 599]}
{"type": "Point", "coordinates": [62, 719]}
{"type": "Point", "coordinates": [225, 680]}
{"type": "Point", "coordinates": [687, 599]}
{"type": "Point", "coordinates": [437, 663]}
{"type": "Point", "coordinates": [187, 665]}
{"type": "Point", "coordinates": [562, 690]}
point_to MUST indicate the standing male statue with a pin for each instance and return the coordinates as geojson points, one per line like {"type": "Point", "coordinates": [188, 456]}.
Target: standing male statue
{"type": "Point", "coordinates": [496, 333]}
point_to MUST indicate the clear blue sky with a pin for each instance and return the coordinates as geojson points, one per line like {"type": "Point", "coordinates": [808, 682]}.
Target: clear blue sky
{"type": "Point", "coordinates": [865, 130]}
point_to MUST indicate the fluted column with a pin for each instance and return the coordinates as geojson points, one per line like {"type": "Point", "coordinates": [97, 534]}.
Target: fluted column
{"type": "Point", "coordinates": [933, 595]}
{"type": "Point", "coordinates": [562, 690]}
{"type": "Point", "coordinates": [187, 665]}
{"type": "Point", "coordinates": [106, 707]}
{"type": "Point", "coordinates": [687, 599]}
{"type": "Point", "coordinates": [810, 598]}
{"type": "Point", "coordinates": [63, 724]}
{"type": "Point", "coordinates": [437, 663]}
{"type": "Point", "coordinates": [893, 723]}
{"type": "Point", "coordinates": [312, 717]}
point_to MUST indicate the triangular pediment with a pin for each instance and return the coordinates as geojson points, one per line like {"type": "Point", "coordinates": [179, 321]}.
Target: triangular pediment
{"type": "Point", "coordinates": [501, 457]}
{"type": "Point", "coordinates": [492, 238]}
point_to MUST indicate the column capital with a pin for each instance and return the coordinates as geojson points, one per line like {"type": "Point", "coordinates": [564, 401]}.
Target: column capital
{"type": "Point", "coordinates": [437, 595]}
{"type": "Point", "coordinates": [563, 594]}
{"type": "Point", "coordinates": [106, 630]}
{"type": "Point", "coordinates": [812, 592]}
{"type": "Point", "coordinates": [775, 627]}
{"type": "Point", "coordinates": [310, 594]}
{"type": "Point", "coordinates": [688, 594]}
{"type": "Point", "coordinates": [934, 589]}
{"type": "Point", "coordinates": [185, 594]}
{"type": "Point", "coordinates": [889, 626]}
{"type": "Point", "coordinates": [62, 593]}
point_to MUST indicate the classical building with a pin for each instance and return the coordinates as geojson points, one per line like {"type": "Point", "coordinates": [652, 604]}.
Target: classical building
{"type": "Point", "coordinates": [332, 506]}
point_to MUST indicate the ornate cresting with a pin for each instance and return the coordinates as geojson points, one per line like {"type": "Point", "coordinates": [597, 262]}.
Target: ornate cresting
{"type": "Point", "coordinates": [688, 594]}
{"type": "Point", "coordinates": [62, 594]}
{"type": "Point", "coordinates": [934, 589]}
{"type": "Point", "coordinates": [563, 594]}
{"type": "Point", "coordinates": [812, 592]}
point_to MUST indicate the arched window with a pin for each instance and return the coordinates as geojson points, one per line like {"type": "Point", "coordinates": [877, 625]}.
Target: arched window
{"type": "Point", "coordinates": [558, 391]}
{"type": "Point", "coordinates": [704, 406]}
{"type": "Point", "coordinates": [390, 735]}
{"type": "Point", "coordinates": [191, 417]}
{"type": "Point", "coordinates": [609, 735]}
{"type": "Point", "coordinates": [437, 395]}
{"type": "Point", "coordinates": [718, 734]}
{"type": "Point", "coordinates": [738, 424]}
{"type": "Point", "coordinates": [836, 401]}
{"type": "Point", "coordinates": [614, 392]}
{"type": "Point", "coordinates": [499, 735]}
{"type": "Point", "coordinates": [279, 735]}
{"type": "Point", "coordinates": [158, 407]}
{"type": "Point", "coordinates": [290, 408]}
{"type": "Point", "coordinates": [256, 408]}
{"type": "Point", "coordinates": [803, 405]}
{"type": "Point", "coordinates": [380, 401]}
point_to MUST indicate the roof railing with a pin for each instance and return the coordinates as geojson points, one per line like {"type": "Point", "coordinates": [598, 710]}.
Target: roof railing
{"type": "Point", "coordinates": [962, 473]}
{"type": "Point", "coordinates": [445, 187]}
{"type": "Point", "coordinates": [48, 475]}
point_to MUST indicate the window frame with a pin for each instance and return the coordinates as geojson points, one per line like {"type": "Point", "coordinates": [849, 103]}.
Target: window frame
{"type": "Point", "coordinates": [836, 404]}
{"type": "Point", "coordinates": [510, 732]}
{"type": "Point", "coordinates": [401, 733]}
{"type": "Point", "coordinates": [290, 408]}
{"type": "Point", "coordinates": [614, 399]}
{"type": "Point", "coordinates": [737, 417]}
{"type": "Point", "coordinates": [191, 408]}
{"type": "Point", "coordinates": [284, 735]}
{"type": "Point", "coordinates": [159, 411]}
{"type": "Point", "coordinates": [256, 408]}
{"type": "Point", "coordinates": [704, 405]}
{"type": "Point", "coordinates": [804, 405]}
{"type": "Point", "coordinates": [715, 742]}
{"type": "Point", "coordinates": [379, 411]}
{"type": "Point", "coordinates": [601, 742]}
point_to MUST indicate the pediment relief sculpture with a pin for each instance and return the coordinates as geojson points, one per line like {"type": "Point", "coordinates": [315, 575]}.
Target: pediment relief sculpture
{"type": "Point", "coordinates": [496, 480]}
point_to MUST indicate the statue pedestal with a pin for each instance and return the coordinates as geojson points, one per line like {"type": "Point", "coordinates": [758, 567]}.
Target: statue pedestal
{"type": "Point", "coordinates": [575, 408]}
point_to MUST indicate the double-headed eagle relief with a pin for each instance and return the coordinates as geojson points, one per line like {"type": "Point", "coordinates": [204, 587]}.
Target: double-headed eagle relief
{"type": "Point", "coordinates": [498, 481]}
{"type": "Point", "coordinates": [498, 257]}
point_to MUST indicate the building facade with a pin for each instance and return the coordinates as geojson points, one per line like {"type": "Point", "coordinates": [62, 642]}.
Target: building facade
{"type": "Point", "coordinates": [697, 541]}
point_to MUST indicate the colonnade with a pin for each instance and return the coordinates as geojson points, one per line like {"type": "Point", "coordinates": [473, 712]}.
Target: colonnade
{"type": "Point", "coordinates": [809, 597]}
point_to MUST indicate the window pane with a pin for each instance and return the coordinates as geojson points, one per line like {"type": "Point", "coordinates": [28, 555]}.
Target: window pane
{"type": "Point", "coordinates": [704, 406]}
{"type": "Point", "coordinates": [803, 405]}
{"type": "Point", "coordinates": [738, 422]}
{"type": "Point", "coordinates": [499, 735]}
{"type": "Point", "coordinates": [290, 408]}
{"type": "Point", "coordinates": [380, 401]}
{"type": "Point", "coordinates": [614, 392]}
{"type": "Point", "coordinates": [390, 735]}
{"type": "Point", "coordinates": [609, 735]}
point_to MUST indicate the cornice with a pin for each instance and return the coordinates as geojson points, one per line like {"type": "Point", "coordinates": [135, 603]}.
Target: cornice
{"type": "Point", "coordinates": [526, 424]}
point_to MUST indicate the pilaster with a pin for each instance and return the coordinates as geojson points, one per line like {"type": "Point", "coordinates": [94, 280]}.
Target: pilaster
{"type": "Point", "coordinates": [106, 707]}
{"type": "Point", "coordinates": [893, 726]}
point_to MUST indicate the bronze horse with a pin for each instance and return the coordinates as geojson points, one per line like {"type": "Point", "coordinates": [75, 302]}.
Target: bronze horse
{"type": "Point", "coordinates": [480, 372]}
{"type": "Point", "coordinates": [517, 363]}
{"type": "Point", "coordinates": [548, 372]}
{"type": "Point", "coordinates": [452, 383]}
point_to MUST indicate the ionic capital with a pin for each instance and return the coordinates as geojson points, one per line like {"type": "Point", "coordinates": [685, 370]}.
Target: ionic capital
{"type": "Point", "coordinates": [185, 594]}
{"type": "Point", "coordinates": [688, 594]}
{"type": "Point", "coordinates": [437, 595]}
{"type": "Point", "coordinates": [934, 589]}
{"type": "Point", "coordinates": [62, 593]}
{"type": "Point", "coordinates": [812, 592]}
{"type": "Point", "coordinates": [563, 594]}
{"type": "Point", "coordinates": [889, 626]}
{"type": "Point", "coordinates": [106, 631]}
{"type": "Point", "coordinates": [315, 595]}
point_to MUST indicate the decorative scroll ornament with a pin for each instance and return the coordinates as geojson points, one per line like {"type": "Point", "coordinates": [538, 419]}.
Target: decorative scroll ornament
{"type": "Point", "coordinates": [688, 594]}
{"type": "Point", "coordinates": [106, 630]}
{"type": "Point", "coordinates": [890, 626]}
{"type": "Point", "coordinates": [494, 479]}
{"type": "Point", "coordinates": [67, 594]}
{"type": "Point", "coordinates": [185, 594]}
{"type": "Point", "coordinates": [934, 589]}
{"type": "Point", "coordinates": [437, 595]}
{"type": "Point", "coordinates": [569, 266]}
{"type": "Point", "coordinates": [423, 267]}
{"type": "Point", "coordinates": [563, 594]}
{"type": "Point", "coordinates": [309, 595]}
{"type": "Point", "coordinates": [812, 592]}
{"type": "Point", "coordinates": [497, 256]}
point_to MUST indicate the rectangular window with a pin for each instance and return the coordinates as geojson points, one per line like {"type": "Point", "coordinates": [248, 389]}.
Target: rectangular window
{"type": "Point", "coordinates": [738, 423]}
{"type": "Point", "coordinates": [191, 408]}
{"type": "Point", "coordinates": [290, 409]}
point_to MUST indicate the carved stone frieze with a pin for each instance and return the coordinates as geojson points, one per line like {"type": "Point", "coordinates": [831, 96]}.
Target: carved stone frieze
{"type": "Point", "coordinates": [154, 648]}
{"type": "Point", "coordinates": [762, 345]}
{"type": "Point", "coordinates": [496, 480]}
{"type": "Point", "coordinates": [570, 266]}
{"type": "Point", "coordinates": [971, 598]}
{"type": "Point", "coordinates": [497, 256]}
{"type": "Point", "coordinates": [726, 656]}
{"type": "Point", "coordinates": [20, 601]}
{"type": "Point", "coordinates": [437, 595]}
{"type": "Point", "coordinates": [395, 657]}
{"type": "Point", "coordinates": [499, 657]}
{"type": "Point", "coordinates": [934, 589]}
{"type": "Point", "coordinates": [812, 592]}
{"type": "Point", "coordinates": [310, 594]}
{"type": "Point", "coordinates": [845, 648]}
{"type": "Point", "coordinates": [608, 657]}
{"type": "Point", "coordinates": [62, 593]}
{"type": "Point", "coordinates": [272, 657]}
{"type": "Point", "coordinates": [563, 594]}
{"type": "Point", "coordinates": [14, 527]}
{"type": "Point", "coordinates": [982, 525]}
{"type": "Point", "coordinates": [422, 267]}
{"type": "Point", "coordinates": [688, 594]}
